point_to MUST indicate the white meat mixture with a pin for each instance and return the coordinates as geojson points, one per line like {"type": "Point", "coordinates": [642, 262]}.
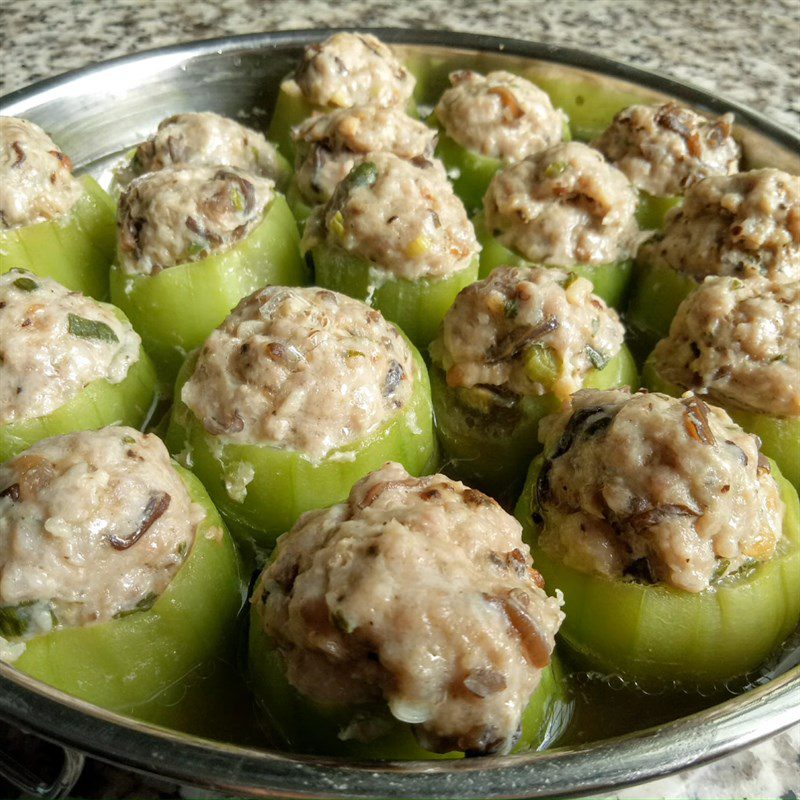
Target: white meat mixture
{"type": "Point", "coordinates": [93, 525]}
{"type": "Point", "coordinates": [741, 225]}
{"type": "Point", "coordinates": [36, 180]}
{"type": "Point", "coordinates": [528, 332]}
{"type": "Point", "coordinates": [350, 69]}
{"type": "Point", "coordinates": [652, 488]}
{"type": "Point", "coordinates": [664, 149]}
{"type": "Point", "coordinates": [500, 115]}
{"type": "Point", "coordinates": [403, 217]}
{"type": "Point", "coordinates": [205, 139]}
{"type": "Point", "coordinates": [562, 206]}
{"type": "Point", "coordinates": [304, 369]}
{"type": "Point", "coordinates": [738, 341]}
{"type": "Point", "coordinates": [53, 343]}
{"type": "Point", "coordinates": [180, 215]}
{"type": "Point", "coordinates": [330, 145]}
{"type": "Point", "coordinates": [417, 592]}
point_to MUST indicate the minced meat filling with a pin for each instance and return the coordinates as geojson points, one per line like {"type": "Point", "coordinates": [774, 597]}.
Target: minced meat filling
{"type": "Point", "coordinates": [738, 341]}
{"type": "Point", "coordinates": [565, 205]}
{"type": "Point", "coordinates": [741, 225]}
{"type": "Point", "coordinates": [330, 145]}
{"type": "Point", "coordinates": [500, 115]}
{"type": "Point", "coordinates": [180, 215]}
{"type": "Point", "coordinates": [92, 525]}
{"type": "Point", "coordinates": [53, 343]}
{"type": "Point", "coordinates": [304, 369]}
{"type": "Point", "coordinates": [351, 69]}
{"type": "Point", "coordinates": [664, 149]}
{"type": "Point", "coordinates": [418, 592]}
{"type": "Point", "coordinates": [527, 331]}
{"type": "Point", "coordinates": [36, 181]}
{"type": "Point", "coordinates": [402, 216]}
{"type": "Point", "coordinates": [655, 489]}
{"type": "Point", "coordinates": [206, 139]}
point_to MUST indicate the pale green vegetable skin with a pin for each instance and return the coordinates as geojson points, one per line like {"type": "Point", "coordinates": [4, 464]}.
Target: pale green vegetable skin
{"type": "Point", "coordinates": [75, 249]}
{"type": "Point", "coordinates": [286, 482]}
{"type": "Point", "coordinates": [142, 664]}
{"type": "Point", "coordinates": [780, 436]}
{"type": "Point", "coordinates": [610, 281]}
{"type": "Point", "coordinates": [98, 404]}
{"type": "Point", "coordinates": [175, 309]}
{"type": "Point", "coordinates": [310, 727]}
{"type": "Point", "coordinates": [655, 634]}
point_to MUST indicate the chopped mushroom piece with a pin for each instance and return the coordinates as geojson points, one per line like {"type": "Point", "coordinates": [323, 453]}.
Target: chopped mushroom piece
{"type": "Point", "coordinates": [419, 592]}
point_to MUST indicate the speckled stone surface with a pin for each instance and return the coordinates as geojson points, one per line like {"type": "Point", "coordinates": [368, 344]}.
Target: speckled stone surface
{"type": "Point", "coordinates": [748, 51]}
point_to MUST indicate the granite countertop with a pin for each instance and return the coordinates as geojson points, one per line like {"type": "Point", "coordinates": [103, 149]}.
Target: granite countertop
{"type": "Point", "coordinates": [744, 50]}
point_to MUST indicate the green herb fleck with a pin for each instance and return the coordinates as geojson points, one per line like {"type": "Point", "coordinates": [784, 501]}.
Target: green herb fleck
{"type": "Point", "coordinates": [363, 175]}
{"type": "Point", "coordinates": [26, 284]}
{"type": "Point", "coordinates": [18, 620]}
{"type": "Point", "coordinates": [90, 329]}
{"type": "Point", "coordinates": [195, 249]}
{"type": "Point", "coordinates": [555, 169]}
{"type": "Point", "coordinates": [354, 354]}
{"type": "Point", "coordinates": [570, 279]}
{"type": "Point", "coordinates": [511, 308]}
{"type": "Point", "coordinates": [237, 199]}
{"type": "Point", "coordinates": [598, 359]}
{"type": "Point", "coordinates": [145, 604]}
{"type": "Point", "coordinates": [342, 623]}
{"type": "Point", "coordinates": [721, 570]}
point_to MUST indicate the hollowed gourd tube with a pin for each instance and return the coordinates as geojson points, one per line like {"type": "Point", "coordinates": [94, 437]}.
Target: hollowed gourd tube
{"type": "Point", "coordinates": [780, 436]}
{"type": "Point", "coordinates": [175, 309]}
{"type": "Point", "coordinates": [657, 635]}
{"type": "Point", "coordinates": [99, 403]}
{"type": "Point", "coordinates": [309, 727]}
{"type": "Point", "coordinates": [610, 281]}
{"type": "Point", "coordinates": [492, 448]}
{"type": "Point", "coordinates": [142, 664]}
{"type": "Point", "coordinates": [75, 249]}
{"type": "Point", "coordinates": [417, 307]}
{"type": "Point", "coordinates": [261, 490]}
{"type": "Point", "coordinates": [652, 209]}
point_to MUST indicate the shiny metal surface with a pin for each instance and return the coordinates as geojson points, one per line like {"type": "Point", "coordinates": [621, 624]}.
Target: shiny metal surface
{"type": "Point", "coordinates": [96, 115]}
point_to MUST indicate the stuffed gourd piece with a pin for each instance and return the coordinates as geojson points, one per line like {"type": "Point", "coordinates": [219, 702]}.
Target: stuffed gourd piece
{"type": "Point", "coordinates": [396, 236]}
{"type": "Point", "coordinates": [298, 394]}
{"type": "Point", "coordinates": [120, 582]}
{"type": "Point", "coordinates": [675, 542]}
{"type": "Point", "coordinates": [205, 139]}
{"type": "Point", "coordinates": [347, 69]}
{"type": "Point", "coordinates": [512, 349]}
{"type": "Point", "coordinates": [407, 622]}
{"type": "Point", "coordinates": [329, 145]}
{"type": "Point", "coordinates": [738, 343]}
{"type": "Point", "coordinates": [563, 207]}
{"type": "Point", "coordinates": [486, 121]}
{"type": "Point", "coordinates": [67, 363]}
{"type": "Point", "coordinates": [663, 149]}
{"type": "Point", "coordinates": [192, 242]}
{"type": "Point", "coordinates": [52, 223]}
{"type": "Point", "coordinates": [736, 225]}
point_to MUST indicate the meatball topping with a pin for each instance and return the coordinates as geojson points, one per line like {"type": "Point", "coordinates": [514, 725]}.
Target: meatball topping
{"type": "Point", "coordinates": [180, 215]}
{"type": "Point", "coordinates": [93, 525]}
{"type": "Point", "coordinates": [418, 592]}
{"type": "Point", "coordinates": [738, 341]}
{"type": "Point", "coordinates": [666, 148]}
{"type": "Point", "coordinates": [330, 145]}
{"type": "Point", "coordinates": [527, 331]}
{"type": "Point", "coordinates": [563, 206]}
{"type": "Point", "coordinates": [53, 343]}
{"type": "Point", "coordinates": [351, 69]}
{"type": "Point", "coordinates": [499, 115]}
{"type": "Point", "coordinates": [740, 225]}
{"type": "Point", "coordinates": [206, 140]}
{"type": "Point", "coordinates": [36, 181]}
{"type": "Point", "coordinates": [400, 215]}
{"type": "Point", "coordinates": [651, 488]}
{"type": "Point", "coordinates": [303, 369]}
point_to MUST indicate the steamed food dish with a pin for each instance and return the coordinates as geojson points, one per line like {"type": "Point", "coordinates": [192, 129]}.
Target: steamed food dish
{"type": "Point", "coordinates": [51, 222]}
{"type": "Point", "coordinates": [490, 120]}
{"type": "Point", "coordinates": [296, 395]}
{"type": "Point", "coordinates": [512, 348]}
{"type": "Point", "coordinates": [413, 607]}
{"type": "Point", "coordinates": [67, 362]}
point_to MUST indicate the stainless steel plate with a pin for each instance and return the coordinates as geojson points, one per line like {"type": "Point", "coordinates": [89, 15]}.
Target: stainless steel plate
{"type": "Point", "coordinates": [96, 115]}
